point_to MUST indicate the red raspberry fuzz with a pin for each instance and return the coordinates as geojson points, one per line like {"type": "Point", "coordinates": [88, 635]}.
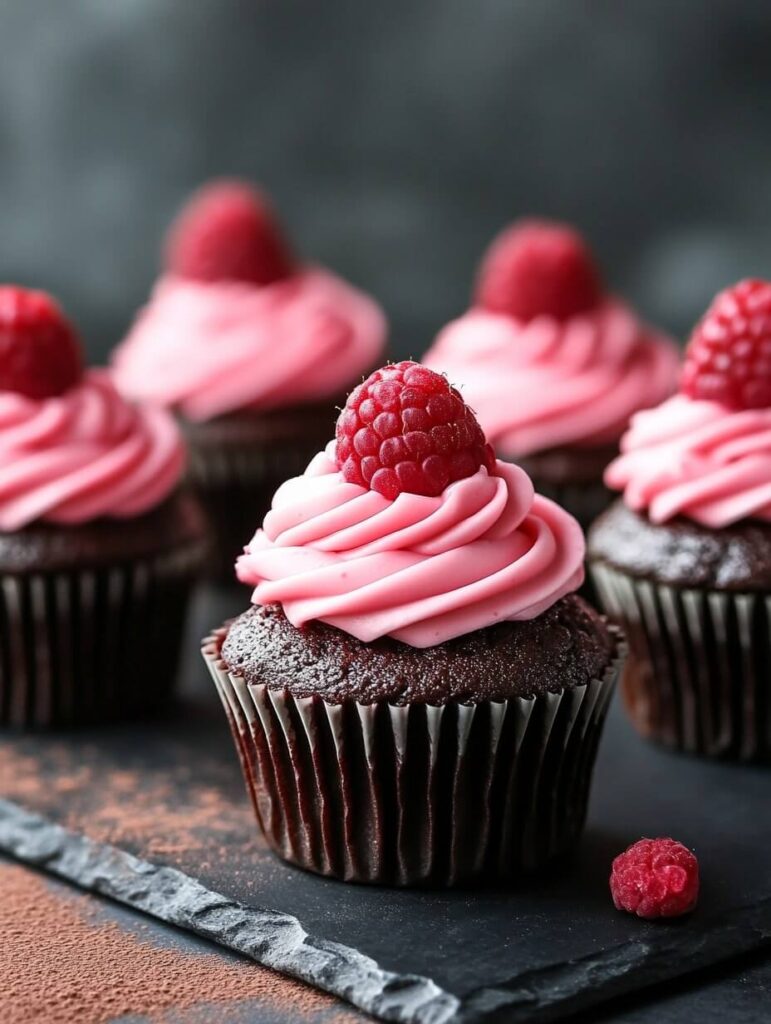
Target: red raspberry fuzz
{"type": "Point", "coordinates": [655, 878]}
{"type": "Point", "coordinates": [536, 268]}
{"type": "Point", "coordinates": [728, 358]}
{"type": "Point", "coordinates": [40, 354]}
{"type": "Point", "coordinates": [227, 232]}
{"type": "Point", "coordinates": [406, 429]}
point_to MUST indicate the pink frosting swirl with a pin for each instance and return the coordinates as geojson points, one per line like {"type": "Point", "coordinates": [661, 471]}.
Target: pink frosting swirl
{"type": "Point", "coordinates": [83, 455]}
{"type": "Point", "coordinates": [698, 459]}
{"type": "Point", "coordinates": [421, 570]}
{"type": "Point", "coordinates": [547, 383]}
{"type": "Point", "coordinates": [211, 348]}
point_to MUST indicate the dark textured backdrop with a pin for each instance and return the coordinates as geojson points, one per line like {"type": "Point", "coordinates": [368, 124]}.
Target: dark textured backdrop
{"type": "Point", "coordinates": [396, 137]}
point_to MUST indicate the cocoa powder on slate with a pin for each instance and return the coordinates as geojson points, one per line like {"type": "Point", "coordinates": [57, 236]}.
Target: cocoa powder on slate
{"type": "Point", "coordinates": [167, 816]}
{"type": "Point", "coordinates": [63, 962]}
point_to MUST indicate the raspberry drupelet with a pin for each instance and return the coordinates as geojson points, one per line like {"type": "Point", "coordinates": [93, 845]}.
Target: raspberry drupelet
{"type": "Point", "coordinates": [228, 232]}
{"type": "Point", "coordinates": [40, 353]}
{"type": "Point", "coordinates": [728, 358]}
{"type": "Point", "coordinates": [655, 878]}
{"type": "Point", "coordinates": [536, 268]}
{"type": "Point", "coordinates": [405, 429]}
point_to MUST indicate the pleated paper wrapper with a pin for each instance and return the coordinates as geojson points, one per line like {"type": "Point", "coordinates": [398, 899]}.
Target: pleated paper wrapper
{"type": "Point", "coordinates": [586, 501]}
{"type": "Point", "coordinates": [698, 677]}
{"type": "Point", "coordinates": [418, 794]}
{"type": "Point", "coordinates": [235, 485]}
{"type": "Point", "coordinates": [91, 645]}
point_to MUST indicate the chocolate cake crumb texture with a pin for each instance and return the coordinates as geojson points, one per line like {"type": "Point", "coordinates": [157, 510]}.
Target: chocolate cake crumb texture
{"type": "Point", "coordinates": [565, 646]}
{"type": "Point", "coordinates": [49, 547]}
{"type": "Point", "coordinates": [683, 553]}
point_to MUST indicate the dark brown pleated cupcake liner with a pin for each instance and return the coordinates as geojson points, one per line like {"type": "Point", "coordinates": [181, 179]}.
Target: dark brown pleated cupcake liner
{"type": "Point", "coordinates": [419, 794]}
{"type": "Point", "coordinates": [236, 486]}
{"type": "Point", "coordinates": [92, 645]}
{"type": "Point", "coordinates": [585, 501]}
{"type": "Point", "coordinates": [698, 678]}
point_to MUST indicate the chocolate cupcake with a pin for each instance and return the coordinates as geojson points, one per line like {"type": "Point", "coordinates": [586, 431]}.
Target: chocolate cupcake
{"type": "Point", "coordinates": [250, 349]}
{"type": "Point", "coordinates": [99, 546]}
{"type": "Point", "coordinates": [416, 694]}
{"type": "Point", "coordinates": [684, 561]}
{"type": "Point", "coordinates": [552, 365]}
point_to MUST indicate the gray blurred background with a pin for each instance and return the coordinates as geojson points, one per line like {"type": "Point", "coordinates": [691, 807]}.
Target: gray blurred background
{"type": "Point", "coordinates": [395, 137]}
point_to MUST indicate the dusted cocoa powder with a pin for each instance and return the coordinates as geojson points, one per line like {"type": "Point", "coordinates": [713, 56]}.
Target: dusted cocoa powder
{"type": "Point", "coordinates": [62, 962]}
{"type": "Point", "coordinates": [163, 813]}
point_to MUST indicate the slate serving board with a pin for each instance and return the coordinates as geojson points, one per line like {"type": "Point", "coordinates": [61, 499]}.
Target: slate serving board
{"type": "Point", "coordinates": [537, 951]}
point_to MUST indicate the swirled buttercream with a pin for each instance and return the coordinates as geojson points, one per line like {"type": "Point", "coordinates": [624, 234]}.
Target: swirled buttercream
{"type": "Point", "coordinates": [421, 570]}
{"type": "Point", "coordinates": [697, 459]}
{"type": "Point", "coordinates": [210, 348]}
{"type": "Point", "coordinates": [83, 455]}
{"type": "Point", "coordinates": [549, 383]}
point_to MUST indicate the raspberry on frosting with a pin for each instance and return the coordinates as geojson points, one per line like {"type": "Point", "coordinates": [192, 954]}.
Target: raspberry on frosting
{"type": "Point", "coordinates": [228, 232]}
{"type": "Point", "coordinates": [40, 354]}
{"type": "Point", "coordinates": [536, 268]}
{"type": "Point", "coordinates": [655, 878]}
{"type": "Point", "coordinates": [419, 569]}
{"type": "Point", "coordinates": [405, 429]}
{"type": "Point", "coordinates": [728, 359]}
{"type": "Point", "coordinates": [72, 448]}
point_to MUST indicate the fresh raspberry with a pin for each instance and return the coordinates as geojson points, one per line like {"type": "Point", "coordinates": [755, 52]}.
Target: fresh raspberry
{"type": "Point", "coordinates": [536, 268]}
{"type": "Point", "coordinates": [655, 878]}
{"type": "Point", "coordinates": [227, 232]}
{"type": "Point", "coordinates": [728, 358]}
{"type": "Point", "coordinates": [406, 429]}
{"type": "Point", "coordinates": [40, 354]}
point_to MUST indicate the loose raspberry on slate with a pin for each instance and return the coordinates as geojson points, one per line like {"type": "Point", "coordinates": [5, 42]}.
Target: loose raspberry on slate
{"type": "Point", "coordinates": [536, 268]}
{"type": "Point", "coordinates": [655, 878]}
{"type": "Point", "coordinates": [406, 429]}
{"type": "Point", "coordinates": [227, 232]}
{"type": "Point", "coordinates": [40, 354]}
{"type": "Point", "coordinates": [728, 358]}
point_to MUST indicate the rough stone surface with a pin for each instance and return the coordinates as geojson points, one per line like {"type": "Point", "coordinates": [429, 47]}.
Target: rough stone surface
{"type": "Point", "coordinates": [274, 939]}
{"type": "Point", "coordinates": [279, 940]}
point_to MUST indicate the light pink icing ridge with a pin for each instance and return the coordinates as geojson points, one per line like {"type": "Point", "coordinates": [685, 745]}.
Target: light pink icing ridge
{"type": "Point", "coordinates": [547, 384]}
{"type": "Point", "coordinates": [83, 455]}
{"type": "Point", "coordinates": [698, 459]}
{"type": "Point", "coordinates": [208, 349]}
{"type": "Point", "coordinates": [421, 570]}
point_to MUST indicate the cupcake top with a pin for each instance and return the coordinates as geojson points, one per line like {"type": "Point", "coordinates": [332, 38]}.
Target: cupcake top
{"type": "Point", "coordinates": [235, 322]}
{"type": "Point", "coordinates": [705, 454]}
{"type": "Point", "coordinates": [545, 356]}
{"type": "Point", "coordinates": [407, 525]}
{"type": "Point", "coordinates": [72, 449]}
{"type": "Point", "coordinates": [566, 646]}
